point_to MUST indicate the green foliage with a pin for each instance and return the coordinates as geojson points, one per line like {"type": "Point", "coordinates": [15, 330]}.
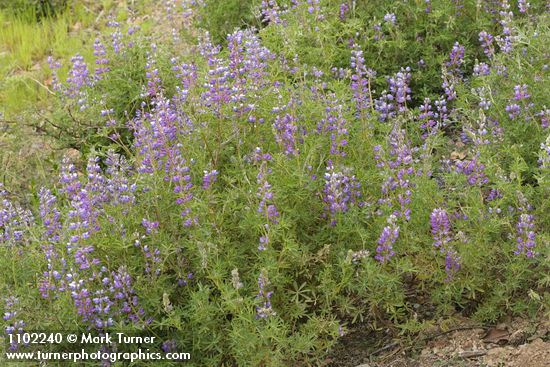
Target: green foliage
{"type": "Point", "coordinates": [221, 18]}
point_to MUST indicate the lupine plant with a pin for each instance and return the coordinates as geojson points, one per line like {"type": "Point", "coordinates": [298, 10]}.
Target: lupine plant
{"type": "Point", "coordinates": [250, 197]}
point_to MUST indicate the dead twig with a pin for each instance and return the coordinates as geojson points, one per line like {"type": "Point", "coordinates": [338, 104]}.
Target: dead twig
{"type": "Point", "coordinates": [472, 353]}
{"type": "Point", "coordinates": [384, 348]}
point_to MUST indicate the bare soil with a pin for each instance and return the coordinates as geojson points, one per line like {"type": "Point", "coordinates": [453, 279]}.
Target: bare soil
{"type": "Point", "coordinates": [516, 343]}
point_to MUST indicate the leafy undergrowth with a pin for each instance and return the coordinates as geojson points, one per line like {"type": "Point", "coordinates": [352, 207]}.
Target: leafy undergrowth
{"type": "Point", "coordinates": [341, 164]}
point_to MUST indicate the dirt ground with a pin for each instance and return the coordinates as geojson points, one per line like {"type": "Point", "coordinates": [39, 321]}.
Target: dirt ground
{"type": "Point", "coordinates": [517, 343]}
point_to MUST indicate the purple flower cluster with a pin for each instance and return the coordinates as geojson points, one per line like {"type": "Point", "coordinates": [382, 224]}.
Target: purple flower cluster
{"type": "Point", "coordinates": [209, 178]}
{"type": "Point", "coordinates": [101, 59]}
{"type": "Point", "coordinates": [187, 75]}
{"type": "Point", "coordinates": [360, 81]}
{"type": "Point", "coordinates": [217, 89]}
{"type": "Point", "coordinates": [341, 190]}
{"type": "Point", "coordinates": [452, 73]}
{"type": "Point", "coordinates": [521, 96]}
{"type": "Point", "coordinates": [335, 125]}
{"type": "Point", "coordinates": [285, 133]}
{"type": "Point", "coordinates": [77, 80]}
{"type": "Point", "coordinates": [398, 169]}
{"type": "Point", "coordinates": [544, 160]}
{"type": "Point", "coordinates": [113, 298]}
{"type": "Point", "coordinates": [14, 324]}
{"type": "Point", "coordinates": [432, 120]}
{"type": "Point", "coordinates": [544, 118]}
{"type": "Point", "coordinates": [266, 206]}
{"type": "Point", "coordinates": [271, 12]}
{"type": "Point", "coordinates": [390, 234]}
{"type": "Point", "coordinates": [474, 170]}
{"type": "Point", "coordinates": [486, 40]}
{"type": "Point", "coordinates": [441, 233]}
{"type": "Point", "coordinates": [344, 9]}
{"type": "Point", "coordinates": [50, 215]}
{"type": "Point", "coordinates": [264, 309]}
{"type": "Point", "coordinates": [441, 228]}
{"type": "Point", "coordinates": [247, 70]}
{"type": "Point", "coordinates": [390, 18]}
{"type": "Point", "coordinates": [523, 6]}
{"type": "Point", "coordinates": [506, 40]}
{"type": "Point", "coordinates": [116, 36]}
{"type": "Point", "coordinates": [484, 131]}
{"type": "Point", "coordinates": [526, 236]}
{"type": "Point", "coordinates": [14, 221]}
{"type": "Point", "coordinates": [152, 256]}
{"type": "Point", "coordinates": [395, 101]}
{"type": "Point", "coordinates": [456, 57]}
{"type": "Point", "coordinates": [157, 135]}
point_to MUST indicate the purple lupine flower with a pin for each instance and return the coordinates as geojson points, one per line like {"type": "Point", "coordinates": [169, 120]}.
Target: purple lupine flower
{"type": "Point", "coordinates": [217, 88]}
{"type": "Point", "coordinates": [152, 257]}
{"type": "Point", "coordinates": [390, 18]}
{"type": "Point", "coordinates": [14, 221]}
{"type": "Point", "coordinates": [456, 57]}
{"type": "Point", "coordinates": [157, 136]}
{"type": "Point", "coordinates": [523, 6]}
{"type": "Point", "coordinates": [360, 81]}
{"type": "Point", "coordinates": [154, 82]}
{"type": "Point", "coordinates": [428, 8]}
{"type": "Point", "coordinates": [378, 33]}
{"type": "Point", "coordinates": [264, 193]}
{"type": "Point", "coordinates": [14, 324]}
{"type": "Point", "coordinates": [54, 67]}
{"type": "Point", "coordinates": [521, 96]}
{"type": "Point", "coordinates": [116, 36]}
{"type": "Point", "coordinates": [441, 233]}
{"type": "Point", "coordinates": [209, 178]}
{"type": "Point", "coordinates": [396, 101]}
{"type": "Point", "coordinates": [118, 186]}
{"type": "Point", "coordinates": [187, 74]}
{"type": "Point", "coordinates": [50, 215]}
{"type": "Point", "coordinates": [101, 60]}
{"type": "Point", "coordinates": [390, 233]}
{"type": "Point", "coordinates": [150, 226]}
{"type": "Point", "coordinates": [314, 7]}
{"type": "Point", "coordinates": [122, 289]}
{"type": "Point", "coordinates": [336, 125]}
{"type": "Point", "coordinates": [474, 170]}
{"type": "Point", "coordinates": [544, 156]}
{"type": "Point", "coordinates": [441, 228]}
{"type": "Point", "coordinates": [526, 236]}
{"type": "Point", "coordinates": [506, 40]}
{"type": "Point", "coordinates": [452, 72]}
{"type": "Point", "coordinates": [97, 182]}
{"type": "Point", "coordinates": [481, 69]}
{"type": "Point", "coordinates": [520, 92]}
{"type": "Point", "coordinates": [544, 118]}
{"type": "Point", "coordinates": [344, 9]}
{"type": "Point", "coordinates": [452, 263]}
{"type": "Point", "coordinates": [427, 118]}
{"type": "Point", "coordinates": [399, 87]}
{"type": "Point", "coordinates": [513, 110]}
{"type": "Point", "coordinates": [271, 12]}
{"type": "Point", "coordinates": [486, 40]}
{"type": "Point", "coordinates": [77, 80]}
{"type": "Point", "coordinates": [70, 183]}
{"type": "Point", "coordinates": [264, 309]}
{"type": "Point", "coordinates": [285, 133]}
{"type": "Point", "coordinates": [169, 346]}
{"type": "Point", "coordinates": [340, 192]}
{"type": "Point", "coordinates": [398, 168]}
